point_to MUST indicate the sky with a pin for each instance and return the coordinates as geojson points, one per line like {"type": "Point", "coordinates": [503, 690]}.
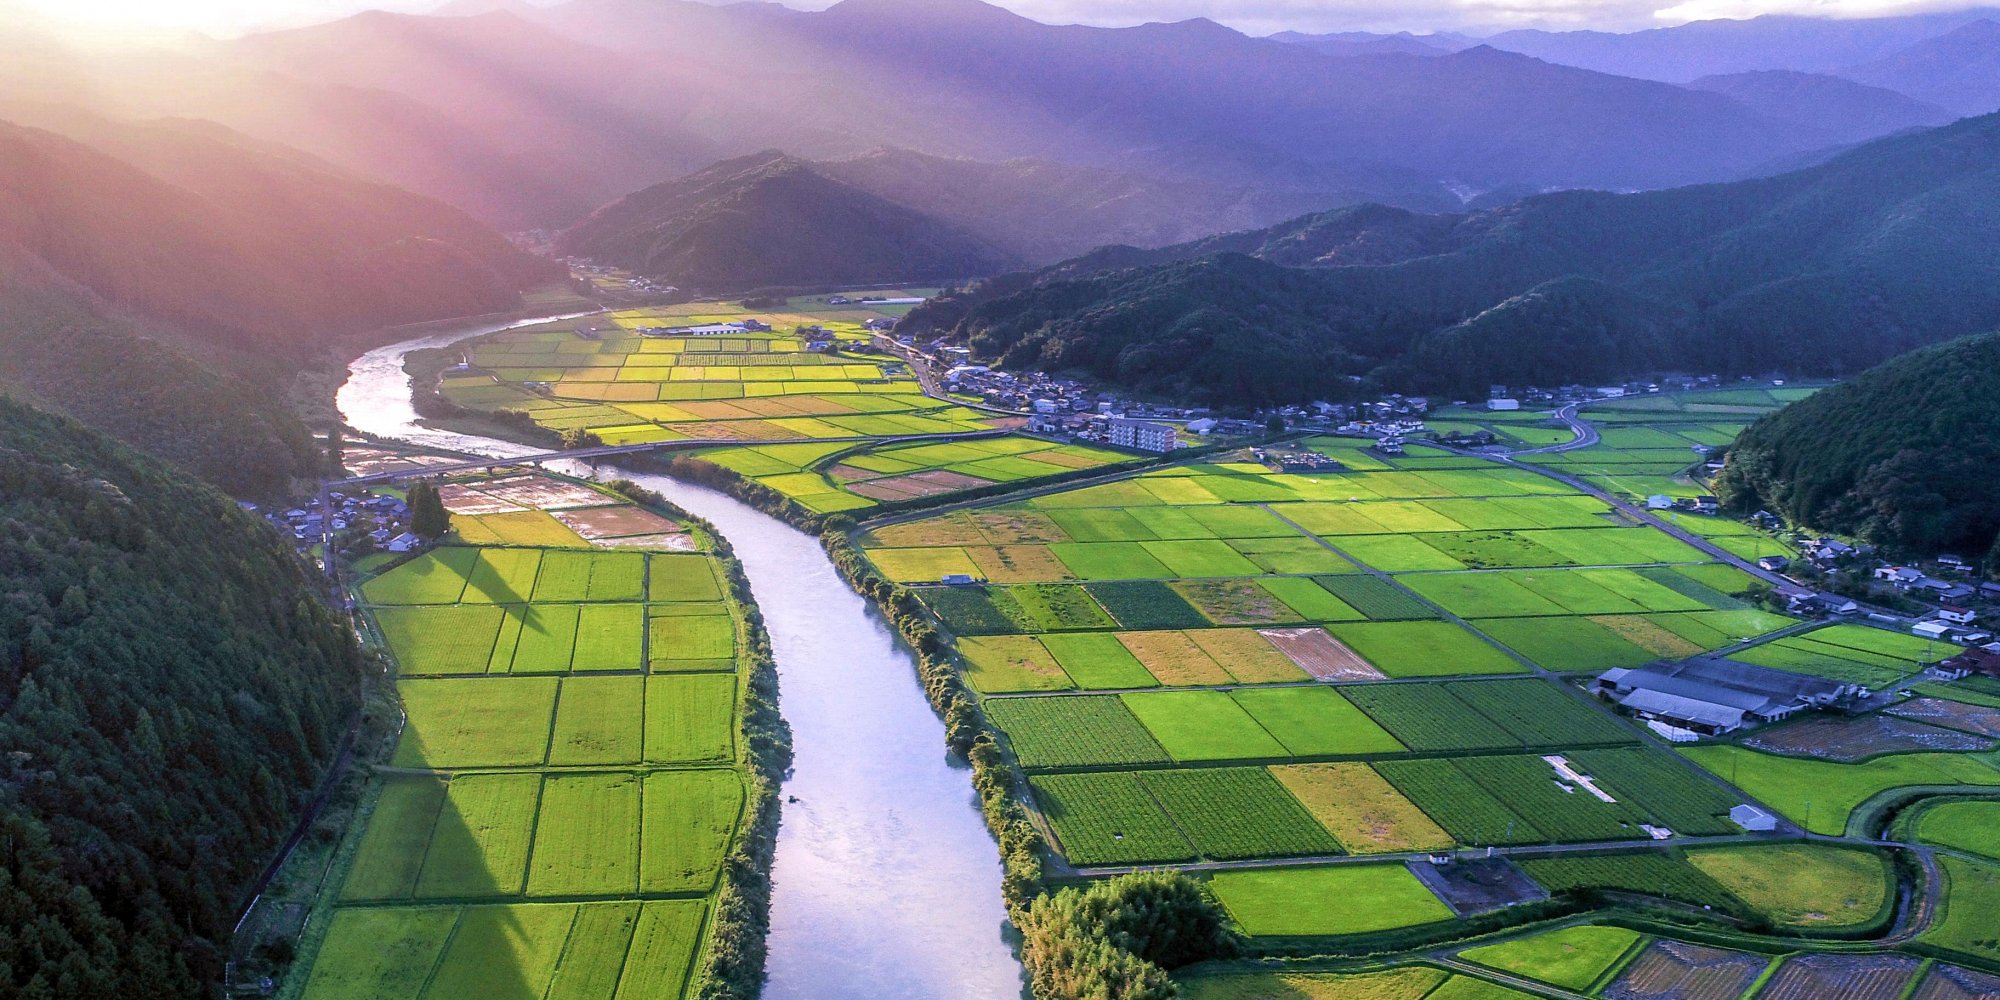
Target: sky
{"type": "Point", "coordinates": [1253, 16]}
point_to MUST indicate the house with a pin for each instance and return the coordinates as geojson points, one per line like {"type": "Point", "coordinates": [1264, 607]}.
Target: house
{"type": "Point", "coordinates": [1902, 576]}
{"type": "Point", "coordinates": [1143, 435]}
{"type": "Point", "coordinates": [1954, 563]}
{"type": "Point", "coordinates": [1752, 819]}
{"type": "Point", "coordinates": [957, 580]}
{"type": "Point", "coordinates": [1389, 446]}
{"type": "Point", "coordinates": [1773, 564]}
{"type": "Point", "coordinates": [1956, 615]}
{"type": "Point", "coordinates": [1990, 591]}
{"type": "Point", "coordinates": [1659, 501]}
{"type": "Point", "coordinates": [404, 542]}
{"type": "Point", "coordinates": [1043, 423]}
{"type": "Point", "coordinates": [1836, 604]}
{"type": "Point", "coordinates": [1976, 660]}
{"type": "Point", "coordinates": [1931, 629]}
{"type": "Point", "coordinates": [1713, 696]}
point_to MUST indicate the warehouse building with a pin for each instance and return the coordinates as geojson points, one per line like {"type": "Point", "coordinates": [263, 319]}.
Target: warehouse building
{"type": "Point", "coordinates": [1711, 695]}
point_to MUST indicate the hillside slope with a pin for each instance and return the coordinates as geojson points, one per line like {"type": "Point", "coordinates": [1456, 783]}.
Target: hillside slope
{"type": "Point", "coordinates": [1822, 271]}
{"type": "Point", "coordinates": [1906, 454]}
{"type": "Point", "coordinates": [771, 220]}
{"type": "Point", "coordinates": [170, 691]}
{"type": "Point", "coordinates": [253, 247]}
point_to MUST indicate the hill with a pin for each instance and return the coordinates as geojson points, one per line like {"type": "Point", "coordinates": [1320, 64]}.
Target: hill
{"type": "Point", "coordinates": [170, 690]}
{"type": "Point", "coordinates": [771, 220]}
{"type": "Point", "coordinates": [1863, 112]}
{"type": "Point", "coordinates": [1822, 271]}
{"type": "Point", "coordinates": [1905, 455]}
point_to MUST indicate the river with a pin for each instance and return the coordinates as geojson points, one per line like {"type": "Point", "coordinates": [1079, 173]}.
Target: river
{"type": "Point", "coordinates": [887, 883]}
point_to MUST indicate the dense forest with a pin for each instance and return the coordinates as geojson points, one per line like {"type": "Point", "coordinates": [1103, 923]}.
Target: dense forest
{"type": "Point", "coordinates": [1905, 455]}
{"type": "Point", "coordinates": [1821, 271]}
{"type": "Point", "coordinates": [170, 690]}
{"type": "Point", "coordinates": [770, 220]}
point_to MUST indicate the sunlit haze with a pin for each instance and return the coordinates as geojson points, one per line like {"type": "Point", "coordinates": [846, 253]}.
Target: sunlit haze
{"type": "Point", "coordinates": [226, 17]}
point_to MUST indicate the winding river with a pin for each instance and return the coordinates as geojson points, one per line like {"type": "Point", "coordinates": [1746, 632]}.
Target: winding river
{"type": "Point", "coordinates": [887, 884]}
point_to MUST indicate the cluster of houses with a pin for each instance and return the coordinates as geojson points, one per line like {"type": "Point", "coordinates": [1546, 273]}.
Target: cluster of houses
{"type": "Point", "coordinates": [386, 517]}
{"type": "Point", "coordinates": [737, 328]}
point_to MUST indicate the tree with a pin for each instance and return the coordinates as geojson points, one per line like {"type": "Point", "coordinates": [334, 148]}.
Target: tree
{"type": "Point", "coordinates": [1116, 940]}
{"type": "Point", "coordinates": [1275, 423]}
{"type": "Point", "coordinates": [429, 519]}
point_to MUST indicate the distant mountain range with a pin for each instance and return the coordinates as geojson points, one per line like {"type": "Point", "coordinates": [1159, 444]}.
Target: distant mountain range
{"type": "Point", "coordinates": [1820, 271]}
{"type": "Point", "coordinates": [537, 116]}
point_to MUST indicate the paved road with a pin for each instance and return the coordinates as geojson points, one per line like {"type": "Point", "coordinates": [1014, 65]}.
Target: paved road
{"type": "Point", "coordinates": [1586, 434]}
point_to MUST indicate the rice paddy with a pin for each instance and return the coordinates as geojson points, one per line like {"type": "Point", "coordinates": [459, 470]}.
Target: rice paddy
{"type": "Point", "coordinates": [571, 737]}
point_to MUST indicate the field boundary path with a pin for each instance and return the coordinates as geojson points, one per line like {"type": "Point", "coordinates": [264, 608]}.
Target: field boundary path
{"type": "Point", "coordinates": [1532, 987]}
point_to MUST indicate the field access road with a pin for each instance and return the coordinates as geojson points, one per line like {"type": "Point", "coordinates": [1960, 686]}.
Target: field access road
{"type": "Point", "coordinates": [1586, 434]}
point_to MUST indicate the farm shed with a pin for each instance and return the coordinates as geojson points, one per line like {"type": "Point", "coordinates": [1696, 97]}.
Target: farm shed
{"type": "Point", "coordinates": [1713, 695]}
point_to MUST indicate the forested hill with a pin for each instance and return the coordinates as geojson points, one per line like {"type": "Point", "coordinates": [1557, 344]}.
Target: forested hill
{"type": "Point", "coordinates": [1822, 271]}
{"type": "Point", "coordinates": [1906, 454]}
{"type": "Point", "coordinates": [771, 220]}
{"type": "Point", "coordinates": [170, 691]}
{"type": "Point", "coordinates": [243, 244]}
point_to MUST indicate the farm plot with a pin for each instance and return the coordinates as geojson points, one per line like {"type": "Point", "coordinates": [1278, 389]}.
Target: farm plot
{"type": "Point", "coordinates": [1641, 873]}
{"type": "Point", "coordinates": [599, 720]}
{"type": "Point", "coordinates": [1949, 982]}
{"type": "Point", "coordinates": [1108, 818]}
{"type": "Point", "coordinates": [1315, 721]}
{"type": "Point", "coordinates": [690, 718]}
{"type": "Point", "coordinates": [1423, 649]}
{"type": "Point", "coordinates": [1803, 656]}
{"type": "Point", "coordinates": [1463, 809]}
{"type": "Point", "coordinates": [586, 836]}
{"type": "Point", "coordinates": [673, 578]}
{"type": "Point", "coordinates": [1238, 812]}
{"type": "Point", "coordinates": [1290, 555]}
{"type": "Point", "coordinates": [1326, 901]}
{"type": "Point", "coordinates": [435, 640]}
{"type": "Point", "coordinates": [376, 953]}
{"type": "Point", "coordinates": [1676, 796]}
{"type": "Point", "coordinates": [1972, 896]}
{"type": "Point", "coordinates": [591, 576]}
{"type": "Point", "coordinates": [1850, 739]}
{"type": "Point", "coordinates": [503, 576]}
{"type": "Point", "coordinates": [1320, 655]}
{"type": "Point", "coordinates": [1376, 598]}
{"type": "Point", "coordinates": [689, 819]}
{"type": "Point", "coordinates": [526, 527]}
{"type": "Point", "coordinates": [1097, 661]}
{"type": "Point", "coordinates": [1803, 885]}
{"type": "Point", "coordinates": [1574, 958]}
{"type": "Point", "coordinates": [479, 844]}
{"type": "Point", "coordinates": [1982, 720]}
{"type": "Point", "coordinates": [1246, 655]}
{"type": "Point", "coordinates": [1237, 602]}
{"type": "Point", "coordinates": [1682, 971]}
{"type": "Point", "coordinates": [501, 950]}
{"type": "Point", "coordinates": [1365, 813]}
{"type": "Point", "coordinates": [1972, 827]}
{"type": "Point", "coordinates": [1202, 726]}
{"type": "Point", "coordinates": [476, 722]}
{"type": "Point", "coordinates": [1570, 644]}
{"type": "Point", "coordinates": [1829, 791]}
{"type": "Point", "coordinates": [1849, 977]}
{"type": "Point", "coordinates": [1011, 663]}
{"type": "Point", "coordinates": [1410, 983]}
{"type": "Point", "coordinates": [1146, 605]}
{"type": "Point", "coordinates": [1074, 731]}
{"type": "Point", "coordinates": [1536, 713]}
{"type": "Point", "coordinates": [1175, 658]}
{"type": "Point", "coordinates": [436, 577]}
{"type": "Point", "coordinates": [1056, 608]}
{"type": "Point", "coordinates": [391, 850]}
{"type": "Point", "coordinates": [973, 610]}
{"type": "Point", "coordinates": [1428, 718]}
{"type": "Point", "coordinates": [1563, 811]}
{"type": "Point", "coordinates": [620, 521]}
{"type": "Point", "coordinates": [690, 637]}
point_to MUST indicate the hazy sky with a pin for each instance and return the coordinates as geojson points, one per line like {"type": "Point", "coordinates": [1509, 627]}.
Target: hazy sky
{"type": "Point", "coordinates": [1255, 16]}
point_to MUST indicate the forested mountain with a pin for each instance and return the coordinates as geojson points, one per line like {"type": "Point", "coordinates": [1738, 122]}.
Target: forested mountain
{"type": "Point", "coordinates": [251, 246]}
{"type": "Point", "coordinates": [1707, 48]}
{"type": "Point", "coordinates": [1864, 111]}
{"type": "Point", "coordinates": [170, 691]}
{"type": "Point", "coordinates": [160, 280]}
{"type": "Point", "coordinates": [1821, 271]}
{"type": "Point", "coordinates": [1959, 70]}
{"type": "Point", "coordinates": [1906, 454]}
{"type": "Point", "coordinates": [771, 220]}
{"type": "Point", "coordinates": [537, 115]}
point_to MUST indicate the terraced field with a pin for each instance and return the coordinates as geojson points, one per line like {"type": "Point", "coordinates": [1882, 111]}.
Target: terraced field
{"type": "Point", "coordinates": [555, 817]}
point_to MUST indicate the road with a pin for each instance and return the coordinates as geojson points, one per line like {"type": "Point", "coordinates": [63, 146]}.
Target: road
{"type": "Point", "coordinates": [1586, 435]}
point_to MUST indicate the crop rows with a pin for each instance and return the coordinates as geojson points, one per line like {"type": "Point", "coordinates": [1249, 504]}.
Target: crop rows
{"type": "Point", "coordinates": [1074, 731]}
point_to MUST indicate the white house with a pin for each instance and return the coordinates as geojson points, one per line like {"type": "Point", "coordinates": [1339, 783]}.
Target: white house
{"type": "Point", "coordinates": [1955, 614]}
{"type": "Point", "coordinates": [1932, 630]}
{"type": "Point", "coordinates": [403, 542]}
{"type": "Point", "coordinates": [1503, 404]}
{"type": "Point", "coordinates": [1659, 501]}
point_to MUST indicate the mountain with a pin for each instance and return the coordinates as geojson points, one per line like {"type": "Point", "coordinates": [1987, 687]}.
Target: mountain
{"type": "Point", "coordinates": [1905, 455]}
{"type": "Point", "coordinates": [162, 281]}
{"type": "Point", "coordinates": [1863, 112]}
{"type": "Point", "coordinates": [1708, 48]}
{"type": "Point", "coordinates": [256, 248]}
{"type": "Point", "coordinates": [532, 117]}
{"type": "Point", "coordinates": [171, 690]}
{"type": "Point", "coordinates": [1821, 271]}
{"type": "Point", "coordinates": [1364, 43]}
{"type": "Point", "coordinates": [770, 220]}
{"type": "Point", "coordinates": [1959, 70]}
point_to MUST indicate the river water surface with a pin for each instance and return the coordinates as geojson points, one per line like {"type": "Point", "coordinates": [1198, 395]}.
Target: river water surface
{"type": "Point", "coordinates": [887, 884]}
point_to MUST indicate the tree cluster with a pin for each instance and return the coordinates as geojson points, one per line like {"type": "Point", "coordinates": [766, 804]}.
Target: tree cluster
{"type": "Point", "coordinates": [171, 689]}
{"type": "Point", "coordinates": [1118, 939]}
